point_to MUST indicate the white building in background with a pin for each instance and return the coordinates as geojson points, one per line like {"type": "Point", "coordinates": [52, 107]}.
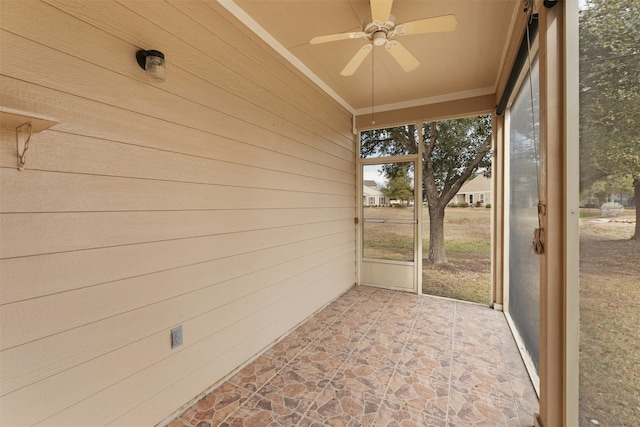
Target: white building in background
{"type": "Point", "coordinates": [475, 192]}
{"type": "Point", "coordinates": [371, 196]}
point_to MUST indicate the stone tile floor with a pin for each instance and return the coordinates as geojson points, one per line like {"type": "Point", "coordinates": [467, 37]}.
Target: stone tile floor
{"type": "Point", "coordinates": [376, 357]}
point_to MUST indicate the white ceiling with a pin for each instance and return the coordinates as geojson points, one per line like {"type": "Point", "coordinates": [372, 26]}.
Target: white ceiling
{"type": "Point", "coordinates": [453, 65]}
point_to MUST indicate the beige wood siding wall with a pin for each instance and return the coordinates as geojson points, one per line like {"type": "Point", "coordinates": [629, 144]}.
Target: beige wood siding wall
{"type": "Point", "coordinates": [221, 200]}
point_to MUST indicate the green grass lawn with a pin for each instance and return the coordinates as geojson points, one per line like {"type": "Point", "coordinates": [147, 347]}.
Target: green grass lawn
{"type": "Point", "coordinates": [609, 322]}
{"type": "Point", "coordinates": [467, 242]}
{"type": "Point", "coordinates": [467, 274]}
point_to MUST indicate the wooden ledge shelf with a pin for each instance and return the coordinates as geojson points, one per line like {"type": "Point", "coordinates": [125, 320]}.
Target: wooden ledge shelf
{"type": "Point", "coordinates": [13, 119]}
{"type": "Point", "coordinates": [25, 125]}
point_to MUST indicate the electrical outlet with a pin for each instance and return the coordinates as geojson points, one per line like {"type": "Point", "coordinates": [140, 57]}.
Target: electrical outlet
{"type": "Point", "coordinates": [176, 336]}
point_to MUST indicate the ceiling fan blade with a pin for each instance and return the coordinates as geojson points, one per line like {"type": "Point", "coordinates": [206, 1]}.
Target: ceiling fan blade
{"type": "Point", "coordinates": [336, 37]}
{"type": "Point", "coordinates": [436, 24]}
{"type": "Point", "coordinates": [357, 59]}
{"type": "Point", "coordinates": [407, 61]}
{"type": "Point", "coordinates": [380, 10]}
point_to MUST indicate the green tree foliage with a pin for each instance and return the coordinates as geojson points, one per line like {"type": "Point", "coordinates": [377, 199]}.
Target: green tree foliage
{"type": "Point", "coordinates": [396, 141]}
{"type": "Point", "coordinates": [399, 186]}
{"type": "Point", "coordinates": [606, 188]}
{"type": "Point", "coordinates": [453, 151]}
{"type": "Point", "coordinates": [610, 93]}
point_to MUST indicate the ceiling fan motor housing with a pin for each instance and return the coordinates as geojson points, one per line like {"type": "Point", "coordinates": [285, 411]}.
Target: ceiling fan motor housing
{"type": "Point", "coordinates": [378, 31]}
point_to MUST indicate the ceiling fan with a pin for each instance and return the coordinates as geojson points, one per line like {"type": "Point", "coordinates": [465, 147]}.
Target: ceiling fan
{"type": "Point", "coordinates": [382, 30]}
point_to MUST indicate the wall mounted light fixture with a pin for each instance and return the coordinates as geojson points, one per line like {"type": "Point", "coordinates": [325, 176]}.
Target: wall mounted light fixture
{"type": "Point", "coordinates": [153, 62]}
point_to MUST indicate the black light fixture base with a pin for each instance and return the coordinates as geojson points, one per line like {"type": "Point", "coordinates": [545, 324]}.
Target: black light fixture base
{"type": "Point", "coordinates": [141, 57]}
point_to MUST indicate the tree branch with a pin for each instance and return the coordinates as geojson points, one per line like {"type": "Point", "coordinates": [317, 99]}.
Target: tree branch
{"type": "Point", "coordinates": [454, 186]}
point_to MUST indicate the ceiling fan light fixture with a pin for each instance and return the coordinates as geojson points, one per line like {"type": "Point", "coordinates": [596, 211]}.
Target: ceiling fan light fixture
{"type": "Point", "coordinates": [379, 38]}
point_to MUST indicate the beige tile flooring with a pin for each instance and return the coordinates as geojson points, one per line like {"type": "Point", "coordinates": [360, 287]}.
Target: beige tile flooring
{"type": "Point", "coordinates": [376, 357]}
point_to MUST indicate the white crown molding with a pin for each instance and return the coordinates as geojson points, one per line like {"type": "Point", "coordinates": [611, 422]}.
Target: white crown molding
{"type": "Point", "coordinates": [426, 101]}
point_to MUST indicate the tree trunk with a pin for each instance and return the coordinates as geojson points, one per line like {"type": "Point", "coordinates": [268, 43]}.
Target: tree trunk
{"type": "Point", "coordinates": [437, 254]}
{"type": "Point", "coordinates": [636, 199]}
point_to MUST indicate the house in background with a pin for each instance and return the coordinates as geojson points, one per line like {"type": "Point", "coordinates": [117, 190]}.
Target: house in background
{"type": "Point", "coordinates": [475, 192]}
{"type": "Point", "coordinates": [371, 196]}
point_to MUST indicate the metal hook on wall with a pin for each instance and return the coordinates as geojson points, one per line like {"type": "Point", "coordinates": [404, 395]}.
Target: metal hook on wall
{"type": "Point", "coordinates": [23, 136]}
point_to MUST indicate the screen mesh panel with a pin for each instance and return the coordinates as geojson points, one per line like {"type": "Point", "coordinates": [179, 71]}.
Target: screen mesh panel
{"type": "Point", "coordinates": [524, 272]}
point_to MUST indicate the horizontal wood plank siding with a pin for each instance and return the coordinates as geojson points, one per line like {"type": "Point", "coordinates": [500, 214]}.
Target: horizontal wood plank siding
{"type": "Point", "coordinates": [221, 200]}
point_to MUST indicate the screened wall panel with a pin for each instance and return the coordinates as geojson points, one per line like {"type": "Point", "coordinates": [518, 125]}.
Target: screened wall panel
{"type": "Point", "coordinates": [609, 197]}
{"type": "Point", "coordinates": [524, 274]}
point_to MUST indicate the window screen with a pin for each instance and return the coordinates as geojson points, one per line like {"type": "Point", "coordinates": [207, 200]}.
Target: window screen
{"type": "Point", "coordinates": [524, 273]}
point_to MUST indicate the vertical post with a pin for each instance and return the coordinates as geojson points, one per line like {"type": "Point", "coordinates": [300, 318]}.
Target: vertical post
{"type": "Point", "coordinates": [497, 213]}
{"type": "Point", "coordinates": [419, 197]}
{"type": "Point", "coordinates": [358, 220]}
{"type": "Point", "coordinates": [552, 302]}
{"type": "Point", "coordinates": [572, 218]}
{"type": "Point", "coordinates": [506, 211]}
{"type": "Point", "coordinates": [558, 345]}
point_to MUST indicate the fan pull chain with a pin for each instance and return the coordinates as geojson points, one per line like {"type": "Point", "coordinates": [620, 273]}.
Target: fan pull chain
{"type": "Point", "coordinates": [373, 52]}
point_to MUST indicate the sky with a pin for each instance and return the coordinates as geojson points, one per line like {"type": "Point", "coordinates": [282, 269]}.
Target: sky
{"type": "Point", "coordinates": [371, 173]}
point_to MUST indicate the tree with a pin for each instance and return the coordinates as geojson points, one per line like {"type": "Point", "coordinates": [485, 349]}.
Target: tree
{"type": "Point", "coordinates": [399, 186]}
{"type": "Point", "coordinates": [607, 188]}
{"type": "Point", "coordinates": [610, 93]}
{"type": "Point", "coordinates": [453, 151]}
